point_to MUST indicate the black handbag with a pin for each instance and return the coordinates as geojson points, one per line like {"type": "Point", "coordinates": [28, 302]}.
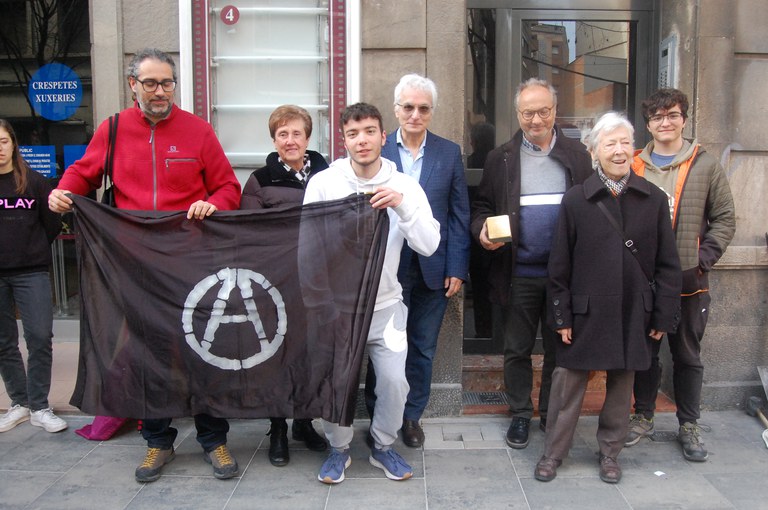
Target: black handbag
{"type": "Point", "coordinates": [108, 195]}
{"type": "Point", "coordinates": [628, 243]}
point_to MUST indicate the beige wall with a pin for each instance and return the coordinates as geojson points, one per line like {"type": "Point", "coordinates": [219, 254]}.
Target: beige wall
{"type": "Point", "coordinates": [425, 37]}
{"type": "Point", "coordinates": [723, 67]}
{"type": "Point", "coordinates": [415, 36]}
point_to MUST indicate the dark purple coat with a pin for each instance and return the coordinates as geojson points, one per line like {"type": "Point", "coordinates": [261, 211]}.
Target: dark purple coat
{"type": "Point", "coordinates": [597, 287]}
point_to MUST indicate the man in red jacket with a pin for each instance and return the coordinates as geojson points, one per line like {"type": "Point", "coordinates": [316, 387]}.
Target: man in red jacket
{"type": "Point", "coordinates": [165, 159]}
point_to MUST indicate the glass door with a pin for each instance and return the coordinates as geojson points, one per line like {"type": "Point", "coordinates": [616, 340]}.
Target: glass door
{"type": "Point", "coordinates": [596, 60]}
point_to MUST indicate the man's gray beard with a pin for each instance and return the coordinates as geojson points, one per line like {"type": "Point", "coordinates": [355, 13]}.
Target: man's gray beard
{"type": "Point", "coordinates": [161, 115]}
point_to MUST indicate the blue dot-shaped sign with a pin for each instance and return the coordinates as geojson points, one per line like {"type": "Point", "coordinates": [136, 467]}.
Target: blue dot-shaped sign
{"type": "Point", "coordinates": [55, 91]}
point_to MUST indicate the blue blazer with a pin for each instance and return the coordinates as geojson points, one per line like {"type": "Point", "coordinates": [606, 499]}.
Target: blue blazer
{"type": "Point", "coordinates": [442, 178]}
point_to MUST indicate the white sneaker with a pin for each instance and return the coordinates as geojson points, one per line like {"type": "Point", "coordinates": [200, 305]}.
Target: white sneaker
{"type": "Point", "coordinates": [46, 419]}
{"type": "Point", "coordinates": [15, 415]}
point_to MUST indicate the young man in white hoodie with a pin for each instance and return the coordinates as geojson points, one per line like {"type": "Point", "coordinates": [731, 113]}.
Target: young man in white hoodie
{"type": "Point", "coordinates": [411, 220]}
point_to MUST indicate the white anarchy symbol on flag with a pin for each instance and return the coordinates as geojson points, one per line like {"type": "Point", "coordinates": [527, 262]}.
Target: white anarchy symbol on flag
{"type": "Point", "coordinates": [230, 278]}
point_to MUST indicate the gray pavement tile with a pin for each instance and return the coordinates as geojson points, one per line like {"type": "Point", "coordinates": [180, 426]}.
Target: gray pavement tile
{"type": "Point", "coordinates": [574, 493]}
{"type": "Point", "coordinates": [745, 491]}
{"type": "Point", "coordinates": [20, 488]}
{"type": "Point", "coordinates": [31, 448]}
{"type": "Point", "coordinates": [82, 498]}
{"type": "Point", "coordinates": [288, 487]}
{"type": "Point", "coordinates": [102, 479]}
{"type": "Point", "coordinates": [384, 494]}
{"type": "Point", "coordinates": [472, 479]}
{"type": "Point", "coordinates": [672, 490]}
{"type": "Point", "coordinates": [184, 493]}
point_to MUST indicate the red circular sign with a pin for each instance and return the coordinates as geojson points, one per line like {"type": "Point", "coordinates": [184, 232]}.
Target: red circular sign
{"type": "Point", "coordinates": [229, 15]}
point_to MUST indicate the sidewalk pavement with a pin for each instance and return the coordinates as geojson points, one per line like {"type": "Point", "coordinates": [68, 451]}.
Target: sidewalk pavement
{"type": "Point", "coordinates": [464, 464]}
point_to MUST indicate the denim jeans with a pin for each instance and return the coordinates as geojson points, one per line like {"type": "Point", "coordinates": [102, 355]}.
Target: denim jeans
{"type": "Point", "coordinates": [31, 294]}
{"type": "Point", "coordinates": [426, 308]}
{"type": "Point", "coordinates": [211, 432]}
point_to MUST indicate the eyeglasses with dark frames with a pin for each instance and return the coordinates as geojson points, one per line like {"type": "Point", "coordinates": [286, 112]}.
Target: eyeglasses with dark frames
{"type": "Point", "coordinates": [672, 116]}
{"type": "Point", "coordinates": [543, 113]}
{"type": "Point", "coordinates": [150, 85]}
{"type": "Point", "coordinates": [424, 109]}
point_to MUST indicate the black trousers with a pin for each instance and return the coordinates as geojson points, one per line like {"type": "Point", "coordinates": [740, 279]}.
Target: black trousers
{"type": "Point", "coordinates": [687, 369]}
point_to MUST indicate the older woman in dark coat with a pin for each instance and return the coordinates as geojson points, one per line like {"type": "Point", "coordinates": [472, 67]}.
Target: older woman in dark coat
{"type": "Point", "coordinates": [601, 301]}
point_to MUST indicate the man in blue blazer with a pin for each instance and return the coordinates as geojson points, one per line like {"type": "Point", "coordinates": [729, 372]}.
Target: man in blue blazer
{"type": "Point", "coordinates": [427, 282]}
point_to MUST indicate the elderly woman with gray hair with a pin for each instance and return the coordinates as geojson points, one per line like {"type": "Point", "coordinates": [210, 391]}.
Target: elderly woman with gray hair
{"type": "Point", "coordinates": [614, 287]}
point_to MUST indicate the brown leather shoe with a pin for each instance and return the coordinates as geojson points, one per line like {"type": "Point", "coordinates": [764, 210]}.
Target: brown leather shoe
{"type": "Point", "coordinates": [546, 469]}
{"type": "Point", "coordinates": [610, 471]}
{"type": "Point", "coordinates": [413, 435]}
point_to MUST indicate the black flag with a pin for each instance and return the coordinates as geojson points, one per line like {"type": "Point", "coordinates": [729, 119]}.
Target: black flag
{"type": "Point", "coordinates": [246, 314]}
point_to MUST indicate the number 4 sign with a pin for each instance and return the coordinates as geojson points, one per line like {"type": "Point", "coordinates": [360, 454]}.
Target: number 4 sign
{"type": "Point", "coordinates": [229, 15]}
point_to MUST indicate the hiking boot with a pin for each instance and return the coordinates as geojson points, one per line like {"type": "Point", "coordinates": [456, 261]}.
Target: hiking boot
{"type": "Point", "coordinates": [278, 443]}
{"type": "Point", "coordinates": [610, 471]}
{"type": "Point", "coordinates": [46, 419]}
{"type": "Point", "coordinates": [332, 470]}
{"type": "Point", "coordinates": [546, 469]}
{"type": "Point", "coordinates": [689, 437]}
{"type": "Point", "coordinates": [639, 427]}
{"type": "Point", "coordinates": [224, 464]}
{"type": "Point", "coordinates": [517, 434]}
{"type": "Point", "coordinates": [302, 430]}
{"type": "Point", "coordinates": [15, 415]}
{"type": "Point", "coordinates": [413, 434]}
{"type": "Point", "coordinates": [149, 470]}
{"type": "Point", "coordinates": [392, 463]}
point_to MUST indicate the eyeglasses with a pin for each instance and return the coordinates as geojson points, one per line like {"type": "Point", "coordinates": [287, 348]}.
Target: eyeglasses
{"type": "Point", "coordinates": [424, 109]}
{"type": "Point", "coordinates": [672, 116]}
{"type": "Point", "coordinates": [151, 85]}
{"type": "Point", "coordinates": [543, 114]}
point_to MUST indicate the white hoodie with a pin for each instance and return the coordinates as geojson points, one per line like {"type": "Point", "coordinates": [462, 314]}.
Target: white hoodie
{"type": "Point", "coordinates": [411, 221]}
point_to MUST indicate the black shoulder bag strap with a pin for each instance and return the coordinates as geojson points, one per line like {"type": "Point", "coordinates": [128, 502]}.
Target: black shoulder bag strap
{"type": "Point", "coordinates": [110, 156]}
{"type": "Point", "coordinates": [627, 242]}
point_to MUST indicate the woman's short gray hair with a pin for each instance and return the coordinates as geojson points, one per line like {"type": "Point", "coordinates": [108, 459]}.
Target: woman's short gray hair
{"type": "Point", "coordinates": [608, 123]}
{"type": "Point", "coordinates": [416, 82]}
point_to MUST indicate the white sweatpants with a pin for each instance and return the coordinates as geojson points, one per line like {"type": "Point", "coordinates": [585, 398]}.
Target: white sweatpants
{"type": "Point", "coordinates": [387, 348]}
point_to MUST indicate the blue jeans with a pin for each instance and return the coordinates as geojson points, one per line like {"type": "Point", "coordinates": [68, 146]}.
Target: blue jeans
{"type": "Point", "coordinates": [31, 294]}
{"type": "Point", "coordinates": [211, 432]}
{"type": "Point", "coordinates": [426, 308]}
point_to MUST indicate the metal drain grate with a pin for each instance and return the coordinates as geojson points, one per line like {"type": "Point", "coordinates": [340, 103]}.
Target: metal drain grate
{"type": "Point", "coordinates": [492, 398]}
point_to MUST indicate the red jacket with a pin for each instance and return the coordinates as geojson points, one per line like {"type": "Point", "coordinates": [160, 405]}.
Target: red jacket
{"type": "Point", "coordinates": [164, 167]}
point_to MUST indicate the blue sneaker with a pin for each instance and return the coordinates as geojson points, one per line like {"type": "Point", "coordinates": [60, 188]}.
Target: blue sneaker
{"type": "Point", "coordinates": [332, 470]}
{"type": "Point", "coordinates": [392, 463]}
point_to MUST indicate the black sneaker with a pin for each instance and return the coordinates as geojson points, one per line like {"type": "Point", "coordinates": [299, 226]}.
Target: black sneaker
{"type": "Point", "coordinates": [517, 434]}
{"type": "Point", "coordinates": [149, 470]}
{"type": "Point", "coordinates": [689, 437]}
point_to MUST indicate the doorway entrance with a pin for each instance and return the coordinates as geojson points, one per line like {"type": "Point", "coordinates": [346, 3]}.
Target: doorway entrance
{"type": "Point", "coordinates": [597, 55]}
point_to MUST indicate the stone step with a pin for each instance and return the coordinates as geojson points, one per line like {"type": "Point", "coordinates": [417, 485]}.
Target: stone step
{"type": "Point", "coordinates": [483, 385]}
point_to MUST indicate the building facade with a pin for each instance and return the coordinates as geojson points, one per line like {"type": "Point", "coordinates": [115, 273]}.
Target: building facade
{"type": "Point", "coordinates": [235, 65]}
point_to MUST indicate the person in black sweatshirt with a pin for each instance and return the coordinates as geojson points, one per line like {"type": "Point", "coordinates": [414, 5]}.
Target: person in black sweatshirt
{"type": "Point", "coordinates": [27, 229]}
